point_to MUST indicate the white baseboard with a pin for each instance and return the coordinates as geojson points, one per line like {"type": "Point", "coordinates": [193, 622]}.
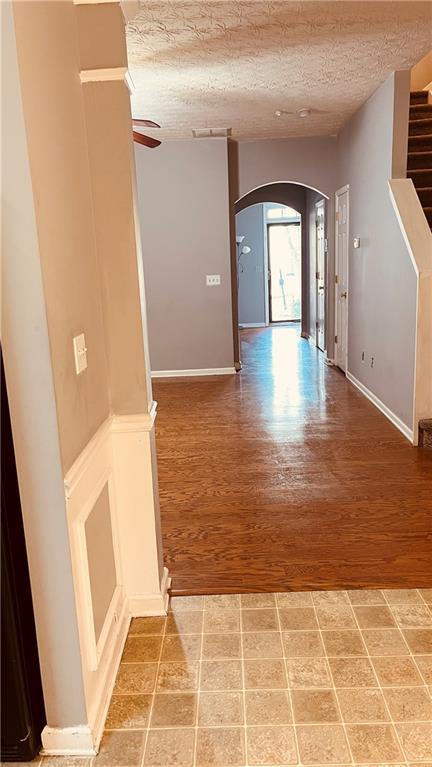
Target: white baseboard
{"type": "Point", "coordinates": [151, 604]}
{"type": "Point", "coordinates": [194, 372]}
{"type": "Point", "coordinates": [406, 431]}
{"type": "Point", "coordinates": [111, 663]}
{"type": "Point", "coordinates": [246, 325]}
{"type": "Point", "coordinates": [68, 741]}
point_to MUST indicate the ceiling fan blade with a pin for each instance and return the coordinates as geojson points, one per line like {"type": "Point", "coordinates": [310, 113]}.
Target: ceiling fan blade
{"type": "Point", "coordinates": [151, 143]}
{"type": "Point", "coordinates": [146, 123]}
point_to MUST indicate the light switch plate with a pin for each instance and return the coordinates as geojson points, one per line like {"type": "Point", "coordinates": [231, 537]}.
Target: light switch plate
{"type": "Point", "coordinates": [213, 279]}
{"type": "Point", "coordinates": [80, 353]}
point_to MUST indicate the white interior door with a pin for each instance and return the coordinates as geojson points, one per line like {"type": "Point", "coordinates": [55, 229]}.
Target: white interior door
{"type": "Point", "coordinates": [320, 274]}
{"type": "Point", "coordinates": [341, 278]}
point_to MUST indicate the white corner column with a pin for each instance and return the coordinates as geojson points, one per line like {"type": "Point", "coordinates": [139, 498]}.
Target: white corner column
{"type": "Point", "coordinates": [145, 580]}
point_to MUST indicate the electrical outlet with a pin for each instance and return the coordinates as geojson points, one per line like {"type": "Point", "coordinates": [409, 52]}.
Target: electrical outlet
{"type": "Point", "coordinates": [80, 353]}
{"type": "Point", "coordinates": [213, 279]}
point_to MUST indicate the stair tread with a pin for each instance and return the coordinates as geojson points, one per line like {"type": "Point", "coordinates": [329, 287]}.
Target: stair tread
{"type": "Point", "coordinates": [421, 151]}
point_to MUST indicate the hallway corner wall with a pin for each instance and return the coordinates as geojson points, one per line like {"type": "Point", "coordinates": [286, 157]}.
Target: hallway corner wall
{"type": "Point", "coordinates": [84, 441]}
{"type": "Point", "coordinates": [382, 281]}
{"type": "Point", "coordinates": [252, 278]}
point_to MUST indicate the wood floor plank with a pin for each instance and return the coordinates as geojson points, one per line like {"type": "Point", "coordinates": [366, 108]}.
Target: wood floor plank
{"type": "Point", "coordinates": [284, 477]}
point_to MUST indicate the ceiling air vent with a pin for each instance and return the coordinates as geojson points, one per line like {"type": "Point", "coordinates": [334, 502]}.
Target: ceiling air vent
{"type": "Point", "coordinates": [211, 132]}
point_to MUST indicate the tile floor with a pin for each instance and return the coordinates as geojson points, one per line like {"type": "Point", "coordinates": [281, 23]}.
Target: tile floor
{"type": "Point", "coordinates": [320, 678]}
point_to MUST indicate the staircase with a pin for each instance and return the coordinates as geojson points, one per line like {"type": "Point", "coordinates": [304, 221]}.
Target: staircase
{"type": "Point", "coordinates": [425, 433]}
{"type": "Point", "coordinates": [419, 167]}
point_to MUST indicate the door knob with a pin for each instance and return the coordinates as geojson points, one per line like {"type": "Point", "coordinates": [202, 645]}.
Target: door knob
{"type": "Point", "coordinates": [344, 295]}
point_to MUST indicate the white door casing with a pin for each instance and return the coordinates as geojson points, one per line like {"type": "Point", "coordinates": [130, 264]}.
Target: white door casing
{"type": "Point", "coordinates": [341, 277]}
{"type": "Point", "coordinates": [320, 273]}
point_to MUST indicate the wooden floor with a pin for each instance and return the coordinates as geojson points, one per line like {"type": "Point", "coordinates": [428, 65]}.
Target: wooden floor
{"type": "Point", "coordinates": [284, 477]}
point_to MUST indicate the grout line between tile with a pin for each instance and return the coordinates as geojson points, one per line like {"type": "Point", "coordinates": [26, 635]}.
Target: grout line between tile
{"type": "Point", "coordinates": [299, 760]}
{"type": "Point", "coordinates": [242, 659]}
{"type": "Point", "coordinates": [332, 680]}
{"type": "Point", "coordinates": [154, 692]}
{"type": "Point", "coordinates": [402, 750]}
{"type": "Point", "coordinates": [198, 693]}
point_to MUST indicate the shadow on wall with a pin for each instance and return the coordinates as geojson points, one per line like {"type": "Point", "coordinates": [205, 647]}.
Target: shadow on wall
{"type": "Point", "coordinates": [303, 199]}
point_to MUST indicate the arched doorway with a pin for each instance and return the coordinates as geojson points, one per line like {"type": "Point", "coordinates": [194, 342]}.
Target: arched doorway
{"type": "Point", "coordinates": [281, 259]}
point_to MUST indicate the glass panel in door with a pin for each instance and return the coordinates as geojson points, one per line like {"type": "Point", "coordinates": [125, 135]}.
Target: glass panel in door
{"type": "Point", "coordinates": [284, 253]}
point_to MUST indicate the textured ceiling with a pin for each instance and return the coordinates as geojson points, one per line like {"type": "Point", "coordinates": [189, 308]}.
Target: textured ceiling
{"type": "Point", "coordinates": [232, 63]}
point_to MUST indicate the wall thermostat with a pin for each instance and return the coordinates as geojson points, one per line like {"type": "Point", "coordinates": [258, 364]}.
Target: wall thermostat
{"type": "Point", "coordinates": [356, 242]}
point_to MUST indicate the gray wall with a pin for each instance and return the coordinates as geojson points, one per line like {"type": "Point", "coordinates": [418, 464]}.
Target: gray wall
{"type": "Point", "coordinates": [184, 216]}
{"type": "Point", "coordinates": [308, 161]}
{"type": "Point", "coordinates": [251, 276]}
{"type": "Point", "coordinates": [382, 283]}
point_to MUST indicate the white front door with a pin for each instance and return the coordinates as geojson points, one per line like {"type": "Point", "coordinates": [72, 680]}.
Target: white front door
{"type": "Point", "coordinates": [341, 278]}
{"type": "Point", "coordinates": [320, 274]}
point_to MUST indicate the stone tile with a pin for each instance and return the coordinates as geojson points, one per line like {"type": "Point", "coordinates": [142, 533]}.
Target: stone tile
{"type": "Point", "coordinates": [222, 602]}
{"type": "Point", "coordinates": [352, 672]}
{"type": "Point", "coordinates": [271, 745]}
{"type": "Point", "coordinates": [221, 747]}
{"type": "Point", "coordinates": [335, 616]}
{"type": "Point", "coordinates": [343, 643]}
{"type": "Point", "coordinates": [177, 709]}
{"type": "Point", "coordinates": [330, 598]}
{"type": "Point", "coordinates": [221, 675]}
{"type": "Point", "coordinates": [308, 672]}
{"type": "Point", "coordinates": [181, 647]}
{"type": "Point", "coordinates": [314, 706]}
{"type": "Point", "coordinates": [266, 674]}
{"type": "Point", "coordinates": [259, 620]}
{"type": "Point", "coordinates": [373, 743]}
{"type": "Point", "coordinates": [258, 601]}
{"type": "Point", "coordinates": [181, 604]}
{"type": "Point", "coordinates": [419, 641]}
{"type": "Point", "coordinates": [53, 761]}
{"type": "Point", "coordinates": [140, 649]}
{"type": "Point", "coordinates": [362, 705]}
{"type": "Point", "coordinates": [136, 677]}
{"type": "Point", "coordinates": [416, 739]}
{"type": "Point", "coordinates": [393, 671]}
{"type": "Point", "coordinates": [426, 595]}
{"type": "Point", "coordinates": [184, 622]}
{"type": "Point", "coordinates": [262, 645]}
{"type": "Point", "coordinates": [220, 708]}
{"type": "Point", "coordinates": [294, 599]}
{"type": "Point", "coordinates": [374, 617]}
{"type": "Point", "coordinates": [217, 646]}
{"type": "Point", "coordinates": [412, 616]}
{"type": "Point", "coordinates": [154, 625]}
{"type": "Point", "coordinates": [409, 704]}
{"type": "Point", "coordinates": [128, 711]}
{"type": "Point", "coordinates": [366, 597]}
{"type": "Point", "coordinates": [221, 621]}
{"type": "Point", "coordinates": [177, 677]}
{"type": "Point", "coordinates": [384, 642]}
{"type": "Point", "coordinates": [120, 749]}
{"type": "Point", "coordinates": [297, 618]}
{"type": "Point", "coordinates": [402, 596]}
{"type": "Point", "coordinates": [424, 664]}
{"type": "Point", "coordinates": [303, 644]}
{"type": "Point", "coordinates": [170, 748]}
{"type": "Point", "coordinates": [322, 744]}
{"type": "Point", "coordinates": [267, 707]}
